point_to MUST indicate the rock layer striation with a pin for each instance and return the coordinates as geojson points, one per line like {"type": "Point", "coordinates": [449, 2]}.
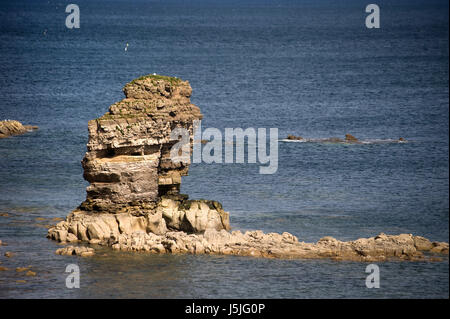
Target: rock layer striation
{"type": "Point", "coordinates": [133, 181]}
{"type": "Point", "coordinates": [134, 203]}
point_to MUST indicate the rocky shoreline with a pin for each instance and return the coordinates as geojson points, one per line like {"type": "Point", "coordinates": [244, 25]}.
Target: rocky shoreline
{"type": "Point", "coordinates": [348, 139]}
{"type": "Point", "coordinates": [133, 202]}
{"type": "Point", "coordinates": [254, 244]}
{"type": "Point", "coordinates": [11, 128]}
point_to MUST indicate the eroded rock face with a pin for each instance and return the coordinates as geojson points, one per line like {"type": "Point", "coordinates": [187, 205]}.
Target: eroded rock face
{"type": "Point", "coordinates": [349, 139]}
{"type": "Point", "coordinates": [272, 245]}
{"type": "Point", "coordinates": [128, 158]}
{"type": "Point", "coordinates": [133, 200]}
{"type": "Point", "coordinates": [10, 128]}
{"type": "Point", "coordinates": [134, 184]}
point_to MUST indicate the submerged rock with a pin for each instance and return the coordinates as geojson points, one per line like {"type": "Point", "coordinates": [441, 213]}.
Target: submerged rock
{"type": "Point", "coordinates": [10, 127]}
{"type": "Point", "coordinates": [349, 139]}
{"type": "Point", "coordinates": [294, 138]}
{"type": "Point", "coordinates": [134, 184]}
{"type": "Point", "coordinates": [271, 245]}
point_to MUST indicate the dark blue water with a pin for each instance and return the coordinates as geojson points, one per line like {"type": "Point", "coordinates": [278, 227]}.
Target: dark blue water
{"type": "Point", "coordinates": [309, 68]}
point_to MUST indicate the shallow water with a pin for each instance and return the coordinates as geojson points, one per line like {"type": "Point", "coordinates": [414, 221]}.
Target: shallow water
{"type": "Point", "coordinates": [307, 68]}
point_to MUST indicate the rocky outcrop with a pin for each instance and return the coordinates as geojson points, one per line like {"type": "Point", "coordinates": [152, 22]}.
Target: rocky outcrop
{"type": "Point", "coordinates": [134, 184]}
{"type": "Point", "coordinates": [10, 128]}
{"type": "Point", "coordinates": [128, 158]}
{"type": "Point", "coordinates": [272, 245]}
{"type": "Point", "coordinates": [190, 216]}
{"type": "Point", "coordinates": [349, 139]}
{"type": "Point", "coordinates": [76, 250]}
{"type": "Point", "coordinates": [294, 138]}
{"type": "Point", "coordinates": [133, 201]}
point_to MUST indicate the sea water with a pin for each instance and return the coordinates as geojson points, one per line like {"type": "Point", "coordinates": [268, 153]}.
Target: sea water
{"type": "Point", "coordinates": [308, 68]}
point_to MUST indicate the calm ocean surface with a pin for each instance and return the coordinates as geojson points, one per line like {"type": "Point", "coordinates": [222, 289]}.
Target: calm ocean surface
{"type": "Point", "coordinates": [309, 68]}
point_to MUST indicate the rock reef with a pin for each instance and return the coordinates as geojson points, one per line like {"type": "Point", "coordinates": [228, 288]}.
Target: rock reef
{"type": "Point", "coordinates": [134, 203]}
{"type": "Point", "coordinates": [134, 184]}
{"type": "Point", "coordinates": [10, 128]}
{"type": "Point", "coordinates": [349, 139]}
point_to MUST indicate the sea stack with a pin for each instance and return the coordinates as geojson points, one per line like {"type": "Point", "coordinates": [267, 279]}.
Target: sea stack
{"type": "Point", "coordinates": [134, 203]}
{"type": "Point", "coordinates": [11, 127]}
{"type": "Point", "coordinates": [134, 185]}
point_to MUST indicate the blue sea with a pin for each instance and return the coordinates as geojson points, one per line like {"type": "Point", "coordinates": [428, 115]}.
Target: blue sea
{"type": "Point", "coordinates": [308, 68]}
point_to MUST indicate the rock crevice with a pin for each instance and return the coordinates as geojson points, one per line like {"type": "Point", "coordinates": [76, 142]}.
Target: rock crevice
{"type": "Point", "coordinates": [133, 201]}
{"type": "Point", "coordinates": [134, 184]}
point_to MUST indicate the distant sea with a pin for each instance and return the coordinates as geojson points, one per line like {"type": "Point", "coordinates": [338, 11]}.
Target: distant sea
{"type": "Point", "coordinates": [308, 68]}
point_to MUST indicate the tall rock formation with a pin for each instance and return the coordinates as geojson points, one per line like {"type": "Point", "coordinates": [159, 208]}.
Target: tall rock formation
{"type": "Point", "coordinates": [134, 184]}
{"type": "Point", "coordinates": [128, 158]}
{"type": "Point", "coordinates": [133, 200]}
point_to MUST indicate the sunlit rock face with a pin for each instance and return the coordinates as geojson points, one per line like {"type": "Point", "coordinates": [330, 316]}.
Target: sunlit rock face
{"type": "Point", "coordinates": [128, 158]}
{"type": "Point", "coordinates": [134, 184]}
{"type": "Point", "coordinates": [11, 128]}
{"type": "Point", "coordinates": [133, 200]}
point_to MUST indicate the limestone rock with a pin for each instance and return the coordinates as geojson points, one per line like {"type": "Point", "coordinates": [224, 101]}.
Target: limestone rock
{"type": "Point", "coordinates": [10, 127]}
{"type": "Point", "coordinates": [422, 243]}
{"type": "Point", "coordinates": [272, 245]}
{"type": "Point", "coordinates": [133, 201]}
{"type": "Point", "coordinates": [350, 138]}
{"type": "Point", "coordinates": [293, 137]}
{"type": "Point", "coordinates": [79, 251]}
{"type": "Point", "coordinates": [134, 184]}
{"type": "Point", "coordinates": [193, 215]}
{"type": "Point", "coordinates": [128, 157]}
{"type": "Point", "coordinates": [439, 248]}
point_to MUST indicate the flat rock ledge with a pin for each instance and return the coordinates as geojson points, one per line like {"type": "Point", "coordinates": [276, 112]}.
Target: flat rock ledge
{"type": "Point", "coordinates": [76, 250]}
{"type": "Point", "coordinates": [191, 216]}
{"type": "Point", "coordinates": [133, 237]}
{"type": "Point", "coordinates": [10, 128]}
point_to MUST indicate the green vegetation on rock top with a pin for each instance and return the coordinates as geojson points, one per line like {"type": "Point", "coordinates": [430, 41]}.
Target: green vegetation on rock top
{"type": "Point", "coordinates": [171, 79]}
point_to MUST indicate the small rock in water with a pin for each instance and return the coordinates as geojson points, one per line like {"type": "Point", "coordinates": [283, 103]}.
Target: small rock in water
{"type": "Point", "coordinates": [30, 273]}
{"type": "Point", "coordinates": [293, 137]}
{"type": "Point", "coordinates": [134, 201]}
{"type": "Point", "coordinates": [9, 128]}
{"type": "Point", "coordinates": [78, 251]}
{"type": "Point", "coordinates": [350, 138]}
{"type": "Point", "coordinates": [9, 254]}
